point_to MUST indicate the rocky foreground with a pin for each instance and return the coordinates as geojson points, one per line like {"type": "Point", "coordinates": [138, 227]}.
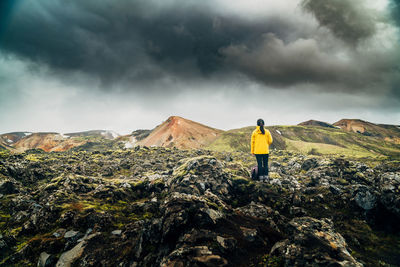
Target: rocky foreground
{"type": "Point", "coordinates": [169, 207]}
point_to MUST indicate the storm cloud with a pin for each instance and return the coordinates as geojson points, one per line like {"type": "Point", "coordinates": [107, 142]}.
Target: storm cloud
{"type": "Point", "coordinates": [137, 41]}
{"type": "Point", "coordinates": [158, 49]}
{"type": "Point", "coordinates": [140, 42]}
{"type": "Point", "coordinates": [351, 21]}
{"type": "Point", "coordinates": [395, 10]}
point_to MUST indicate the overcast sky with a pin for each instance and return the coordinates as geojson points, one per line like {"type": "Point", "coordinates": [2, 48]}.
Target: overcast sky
{"type": "Point", "coordinates": [124, 65]}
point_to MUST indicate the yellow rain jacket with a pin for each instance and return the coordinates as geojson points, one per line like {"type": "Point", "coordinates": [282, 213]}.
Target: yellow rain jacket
{"type": "Point", "coordinates": [260, 142]}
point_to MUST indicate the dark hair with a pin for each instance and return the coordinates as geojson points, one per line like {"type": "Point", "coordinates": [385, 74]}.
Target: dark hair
{"type": "Point", "coordinates": [260, 122]}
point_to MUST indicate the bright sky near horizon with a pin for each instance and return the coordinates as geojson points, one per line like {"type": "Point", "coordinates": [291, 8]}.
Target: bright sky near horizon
{"type": "Point", "coordinates": [127, 65]}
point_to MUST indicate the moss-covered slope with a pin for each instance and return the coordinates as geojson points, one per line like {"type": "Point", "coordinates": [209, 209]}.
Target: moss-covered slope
{"type": "Point", "coordinates": [311, 140]}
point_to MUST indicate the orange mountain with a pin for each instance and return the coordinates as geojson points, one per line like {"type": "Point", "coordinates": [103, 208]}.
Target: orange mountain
{"type": "Point", "coordinates": [181, 133]}
{"type": "Point", "coordinates": [47, 141]}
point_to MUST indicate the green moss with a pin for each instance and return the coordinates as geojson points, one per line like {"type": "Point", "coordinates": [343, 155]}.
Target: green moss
{"type": "Point", "coordinates": [21, 245]}
{"type": "Point", "coordinates": [139, 183]}
{"type": "Point", "coordinates": [359, 175]}
{"type": "Point", "coordinates": [158, 181]}
{"type": "Point", "coordinates": [238, 180]}
{"type": "Point", "coordinates": [235, 203]}
{"type": "Point", "coordinates": [123, 172]}
{"type": "Point", "coordinates": [4, 153]}
{"type": "Point", "coordinates": [274, 175]}
{"type": "Point", "coordinates": [342, 181]}
{"type": "Point", "coordinates": [15, 231]}
{"type": "Point", "coordinates": [271, 261]}
{"type": "Point", "coordinates": [83, 205]}
{"type": "Point", "coordinates": [4, 215]}
{"type": "Point", "coordinates": [119, 210]}
{"type": "Point", "coordinates": [33, 157]}
{"type": "Point", "coordinates": [213, 205]}
{"type": "Point", "coordinates": [137, 217]}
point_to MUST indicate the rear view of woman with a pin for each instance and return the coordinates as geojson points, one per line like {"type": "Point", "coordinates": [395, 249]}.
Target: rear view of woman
{"type": "Point", "coordinates": [260, 141]}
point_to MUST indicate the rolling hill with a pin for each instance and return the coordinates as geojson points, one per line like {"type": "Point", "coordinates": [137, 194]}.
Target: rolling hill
{"type": "Point", "coordinates": [312, 140]}
{"type": "Point", "coordinates": [316, 123]}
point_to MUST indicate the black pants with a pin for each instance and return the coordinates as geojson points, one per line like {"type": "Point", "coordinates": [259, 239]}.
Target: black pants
{"type": "Point", "coordinates": [262, 161]}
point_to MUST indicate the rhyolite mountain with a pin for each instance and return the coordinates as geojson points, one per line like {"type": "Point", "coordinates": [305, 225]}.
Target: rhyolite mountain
{"type": "Point", "coordinates": [52, 141]}
{"type": "Point", "coordinates": [7, 140]}
{"type": "Point", "coordinates": [181, 133]}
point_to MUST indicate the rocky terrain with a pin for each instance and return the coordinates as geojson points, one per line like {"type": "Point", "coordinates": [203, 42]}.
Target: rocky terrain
{"type": "Point", "coordinates": [169, 207]}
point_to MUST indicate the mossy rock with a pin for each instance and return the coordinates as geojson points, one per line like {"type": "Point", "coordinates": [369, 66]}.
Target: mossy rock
{"type": "Point", "coordinates": [33, 157]}
{"type": "Point", "coordinates": [188, 165]}
{"type": "Point", "coordinates": [238, 180]}
{"type": "Point", "coordinates": [274, 175]}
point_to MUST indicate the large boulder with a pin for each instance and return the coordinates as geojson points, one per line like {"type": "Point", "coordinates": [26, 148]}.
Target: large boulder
{"type": "Point", "coordinates": [365, 198]}
{"type": "Point", "coordinates": [8, 187]}
{"type": "Point", "coordinates": [389, 186]}
{"type": "Point", "coordinates": [313, 242]}
{"type": "Point", "coordinates": [309, 164]}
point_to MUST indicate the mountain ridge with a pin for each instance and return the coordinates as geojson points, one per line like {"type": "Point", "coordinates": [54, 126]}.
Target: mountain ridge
{"type": "Point", "coordinates": [316, 123]}
{"type": "Point", "coordinates": [349, 136]}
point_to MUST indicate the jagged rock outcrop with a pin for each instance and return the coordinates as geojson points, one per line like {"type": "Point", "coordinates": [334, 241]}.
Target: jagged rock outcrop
{"type": "Point", "coordinates": [313, 243]}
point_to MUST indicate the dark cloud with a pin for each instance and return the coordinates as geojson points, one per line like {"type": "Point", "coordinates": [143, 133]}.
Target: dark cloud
{"type": "Point", "coordinates": [348, 20]}
{"type": "Point", "coordinates": [279, 64]}
{"type": "Point", "coordinates": [395, 10]}
{"type": "Point", "coordinates": [154, 45]}
{"type": "Point", "coordinates": [132, 41]}
{"type": "Point", "coordinates": [6, 6]}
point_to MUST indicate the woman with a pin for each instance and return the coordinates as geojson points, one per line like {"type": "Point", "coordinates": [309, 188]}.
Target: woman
{"type": "Point", "coordinates": [260, 141]}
